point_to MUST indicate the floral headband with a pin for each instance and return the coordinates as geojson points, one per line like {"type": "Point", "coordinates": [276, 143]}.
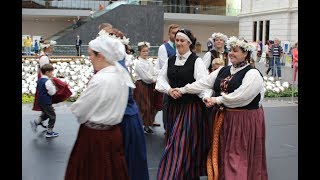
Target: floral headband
{"type": "Point", "coordinates": [124, 40]}
{"type": "Point", "coordinates": [234, 42]}
{"type": "Point", "coordinates": [144, 43]}
{"type": "Point", "coordinates": [219, 35]}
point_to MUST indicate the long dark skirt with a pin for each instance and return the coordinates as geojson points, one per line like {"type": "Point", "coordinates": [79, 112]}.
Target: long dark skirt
{"type": "Point", "coordinates": [186, 150]}
{"type": "Point", "coordinates": [98, 155]}
{"type": "Point", "coordinates": [135, 147]}
{"type": "Point", "coordinates": [242, 152]}
{"type": "Point", "coordinates": [143, 95]}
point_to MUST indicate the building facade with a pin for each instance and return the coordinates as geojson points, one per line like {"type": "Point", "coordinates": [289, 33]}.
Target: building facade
{"type": "Point", "coordinates": [268, 19]}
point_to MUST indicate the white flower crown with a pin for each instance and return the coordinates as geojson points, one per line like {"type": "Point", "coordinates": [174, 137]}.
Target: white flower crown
{"type": "Point", "coordinates": [144, 43]}
{"type": "Point", "coordinates": [124, 40]}
{"type": "Point", "coordinates": [219, 35]}
{"type": "Point", "coordinates": [234, 42]}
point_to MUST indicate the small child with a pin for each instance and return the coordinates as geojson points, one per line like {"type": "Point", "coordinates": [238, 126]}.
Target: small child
{"type": "Point", "coordinates": [46, 89]}
{"type": "Point", "coordinates": [216, 63]}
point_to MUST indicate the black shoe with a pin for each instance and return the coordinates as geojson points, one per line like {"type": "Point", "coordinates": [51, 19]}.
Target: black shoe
{"type": "Point", "coordinates": [147, 130]}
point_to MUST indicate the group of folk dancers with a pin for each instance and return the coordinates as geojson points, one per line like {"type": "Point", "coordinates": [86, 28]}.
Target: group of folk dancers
{"type": "Point", "coordinates": [212, 112]}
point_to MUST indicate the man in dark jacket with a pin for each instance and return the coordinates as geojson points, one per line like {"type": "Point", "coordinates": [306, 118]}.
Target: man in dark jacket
{"type": "Point", "coordinates": [78, 45]}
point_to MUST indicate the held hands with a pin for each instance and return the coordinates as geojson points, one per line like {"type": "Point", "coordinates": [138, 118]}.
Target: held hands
{"type": "Point", "coordinates": [174, 93]}
{"type": "Point", "coordinates": [209, 101]}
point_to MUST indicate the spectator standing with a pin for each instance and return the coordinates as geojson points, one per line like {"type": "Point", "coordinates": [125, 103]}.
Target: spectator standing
{"type": "Point", "coordinates": [100, 7]}
{"type": "Point", "coordinates": [91, 14]}
{"type": "Point", "coordinates": [78, 45]}
{"type": "Point", "coordinates": [36, 47]}
{"type": "Point", "coordinates": [209, 44]}
{"type": "Point", "coordinates": [275, 54]}
{"type": "Point", "coordinates": [27, 45]}
{"type": "Point", "coordinates": [295, 61]}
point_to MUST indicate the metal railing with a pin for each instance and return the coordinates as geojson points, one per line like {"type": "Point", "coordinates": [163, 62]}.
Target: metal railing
{"type": "Point", "coordinates": [168, 8]}
{"type": "Point", "coordinates": [70, 50]}
{"type": "Point", "coordinates": [41, 2]}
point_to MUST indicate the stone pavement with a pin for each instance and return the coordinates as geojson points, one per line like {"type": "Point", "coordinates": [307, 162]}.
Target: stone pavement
{"type": "Point", "coordinates": [45, 159]}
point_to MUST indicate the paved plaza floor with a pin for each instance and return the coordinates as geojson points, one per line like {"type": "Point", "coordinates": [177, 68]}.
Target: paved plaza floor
{"type": "Point", "coordinates": [46, 158]}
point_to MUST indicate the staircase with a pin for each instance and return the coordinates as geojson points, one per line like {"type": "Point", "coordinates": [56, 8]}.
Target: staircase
{"type": "Point", "coordinates": [83, 21]}
{"type": "Point", "coordinates": [139, 23]}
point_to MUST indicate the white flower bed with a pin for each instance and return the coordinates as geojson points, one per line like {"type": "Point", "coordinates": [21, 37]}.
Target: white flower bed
{"type": "Point", "coordinates": [75, 73]}
{"type": "Point", "coordinates": [275, 86]}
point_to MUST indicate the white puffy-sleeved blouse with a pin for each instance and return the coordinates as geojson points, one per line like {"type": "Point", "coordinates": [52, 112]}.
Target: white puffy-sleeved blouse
{"type": "Point", "coordinates": [200, 71]}
{"type": "Point", "coordinates": [105, 99]}
{"type": "Point", "coordinates": [144, 70]}
{"type": "Point", "coordinates": [252, 85]}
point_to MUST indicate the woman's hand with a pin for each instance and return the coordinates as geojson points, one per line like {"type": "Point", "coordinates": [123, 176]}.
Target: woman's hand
{"type": "Point", "coordinates": [174, 93]}
{"type": "Point", "coordinates": [209, 101]}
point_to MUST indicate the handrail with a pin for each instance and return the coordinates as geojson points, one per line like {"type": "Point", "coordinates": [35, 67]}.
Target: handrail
{"type": "Point", "coordinates": [168, 8]}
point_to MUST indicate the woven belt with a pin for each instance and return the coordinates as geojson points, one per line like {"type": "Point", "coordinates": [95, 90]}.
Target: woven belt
{"type": "Point", "coordinates": [212, 158]}
{"type": "Point", "coordinates": [97, 126]}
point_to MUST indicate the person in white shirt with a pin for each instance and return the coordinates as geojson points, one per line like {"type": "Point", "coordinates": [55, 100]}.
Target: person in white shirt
{"type": "Point", "coordinates": [239, 125]}
{"type": "Point", "coordinates": [218, 51]}
{"type": "Point", "coordinates": [165, 51]}
{"type": "Point", "coordinates": [98, 152]}
{"type": "Point", "coordinates": [186, 119]}
{"type": "Point", "coordinates": [145, 80]}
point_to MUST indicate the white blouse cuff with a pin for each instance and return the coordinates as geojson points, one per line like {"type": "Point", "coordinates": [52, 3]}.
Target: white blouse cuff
{"type": "Point", "coordinates": [219, 100]}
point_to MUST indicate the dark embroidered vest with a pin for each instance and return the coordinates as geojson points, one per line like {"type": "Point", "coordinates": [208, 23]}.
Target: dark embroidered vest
{"type": "Point", "coordinates": [43, 96]}
{"type": "Point", "coordinates": [179, 76]}
{"type": "Point", "coordinates": [235, 83]}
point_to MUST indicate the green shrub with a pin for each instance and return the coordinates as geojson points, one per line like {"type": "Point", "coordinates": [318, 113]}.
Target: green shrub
{"type": "Point", "coordinates": [286, 93]}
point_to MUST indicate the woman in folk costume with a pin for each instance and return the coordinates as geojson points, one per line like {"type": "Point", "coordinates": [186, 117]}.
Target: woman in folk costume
{"type": "Point", "coordinates": [63, 91]}
{"type": "Point", "coordinates": [143, 94]}
{"type": "Point", "coordinates": [131, 127]}
{"type": "Point", "coordinates": [218, 51]}
{"type": "Point", "coordinates": [184, 156]}
{"type": "Point", "coordinates": [98, 152]}
{"type": "Point", "coordinates": [238, 149]}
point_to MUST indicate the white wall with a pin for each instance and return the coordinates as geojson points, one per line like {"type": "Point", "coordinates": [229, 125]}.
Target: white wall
{"type": "Point", "coordinates": [253, 6]}
{"type": "Point", "coordinates": [204, 31]}
{"type": "Point", "coordinates": [43, 28]}
{"type": "Point", "coordinates": [283, 25]}
{"type": "Point", "coordinates": [283, 17]}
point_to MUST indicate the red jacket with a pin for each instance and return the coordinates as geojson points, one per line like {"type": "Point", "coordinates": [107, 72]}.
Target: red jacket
{"type": "Point", "coordinates": [62, 94]}
{"type": "Point", "coordinates": [294, 55]}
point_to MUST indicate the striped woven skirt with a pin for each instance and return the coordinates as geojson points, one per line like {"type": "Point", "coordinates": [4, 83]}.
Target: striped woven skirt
{"type": "Point", "coordinates": [187, 147]}
{"type": "Point", "coordinates": [143, 95]}
{"type": "Point", "coordinates": [98, 155]}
